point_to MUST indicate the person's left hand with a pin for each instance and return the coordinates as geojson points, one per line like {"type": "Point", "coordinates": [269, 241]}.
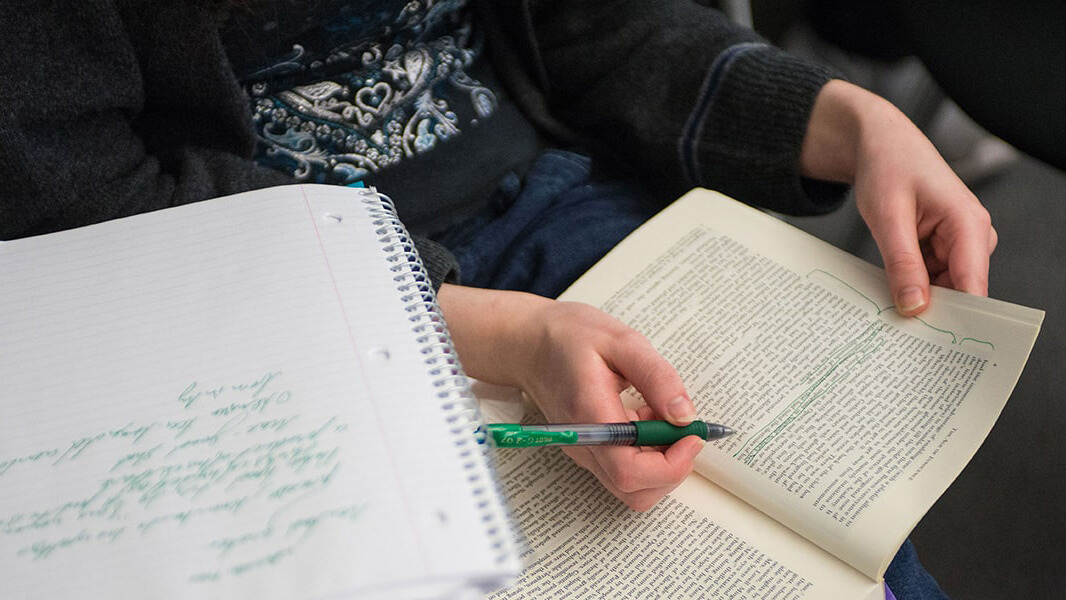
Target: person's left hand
{"type": "Point", "coordinates": [927, 224]}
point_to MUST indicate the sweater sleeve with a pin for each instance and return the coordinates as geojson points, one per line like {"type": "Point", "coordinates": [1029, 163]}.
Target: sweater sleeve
{"type": "Point", "coordinates": [111, 109]}
{"type": "Point", "coordinates": [672, 89]}
{"type": "Point", "coordinates": [441, 265]}
{"type": "Point", "coordinates": [114, 109]}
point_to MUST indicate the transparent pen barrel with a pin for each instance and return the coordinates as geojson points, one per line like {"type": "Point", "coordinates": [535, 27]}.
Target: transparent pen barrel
{"type": "Point", "coordinates": [605, 434]}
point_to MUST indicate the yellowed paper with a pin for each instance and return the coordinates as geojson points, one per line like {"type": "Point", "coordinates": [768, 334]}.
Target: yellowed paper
{"type": "Point", "coordinates": [851, 421]}
{"type": "Point", "coordinates": [700, 542]}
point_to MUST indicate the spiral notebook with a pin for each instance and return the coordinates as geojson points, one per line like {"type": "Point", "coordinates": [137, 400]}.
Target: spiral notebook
{"type": "Point", "coordinates": [249, 397]}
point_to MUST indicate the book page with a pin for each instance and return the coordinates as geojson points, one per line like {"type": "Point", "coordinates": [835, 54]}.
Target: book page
{"type": "Point", "coordinates": [700, 542]}
{"type": "Point", "coordinates": [215, 401]}
{"type": "Point", "coordinates": [850, 420]}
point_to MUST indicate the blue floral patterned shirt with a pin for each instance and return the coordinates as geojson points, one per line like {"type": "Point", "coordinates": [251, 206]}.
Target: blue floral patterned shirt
{"type": "Point", "coordinates": [345, 91]}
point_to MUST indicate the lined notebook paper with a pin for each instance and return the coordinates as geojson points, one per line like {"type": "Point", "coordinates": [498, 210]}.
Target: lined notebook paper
{"type": "Point", "coordinates": [249, 397]}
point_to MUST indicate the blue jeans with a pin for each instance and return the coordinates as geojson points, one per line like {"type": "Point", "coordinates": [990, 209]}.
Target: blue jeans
{"type": "Point", "coordinates": [542, 231]}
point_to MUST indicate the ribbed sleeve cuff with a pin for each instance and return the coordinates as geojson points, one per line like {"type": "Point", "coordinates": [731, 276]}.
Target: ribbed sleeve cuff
{"type": "Point", "coordinates": [745, 133]}
{"type": "Point", "coordinates": [439, 262]}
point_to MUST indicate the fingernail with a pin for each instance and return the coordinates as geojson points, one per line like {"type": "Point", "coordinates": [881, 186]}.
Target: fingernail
{"type": "Point", "coordinates": [681, 410]}
{"type": "Point", "coordinates": [911, 299]}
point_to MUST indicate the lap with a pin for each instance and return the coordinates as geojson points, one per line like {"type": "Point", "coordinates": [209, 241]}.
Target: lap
{"type": "Point", "coordinates": [543, 231]}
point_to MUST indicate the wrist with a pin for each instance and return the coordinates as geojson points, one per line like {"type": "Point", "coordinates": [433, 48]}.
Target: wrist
{"type": "Point", "coordinates": [492, 330]}
{"type": "Point", "coordinates": [842, 124]}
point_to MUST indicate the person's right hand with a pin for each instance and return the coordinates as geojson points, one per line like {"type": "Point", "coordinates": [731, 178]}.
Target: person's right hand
{"type": "Point", "coordinates": [573, 361]}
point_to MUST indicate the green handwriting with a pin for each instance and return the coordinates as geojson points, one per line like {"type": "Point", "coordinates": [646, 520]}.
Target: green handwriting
{"type": "Point", "coordinates": [223, 460]}
{"type": "Point", "coordinates": [880, 309]}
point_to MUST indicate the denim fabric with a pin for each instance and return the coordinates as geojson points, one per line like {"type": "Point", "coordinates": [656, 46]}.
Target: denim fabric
{"type": "Point", "coordinates": [908, 579]}
{"type": "Point", "coordinates": [539, 234]}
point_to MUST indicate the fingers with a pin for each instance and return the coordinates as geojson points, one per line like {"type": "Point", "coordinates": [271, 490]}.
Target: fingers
{"type": "Point", "coordinates": [635, 359]}
{"type": "Point", "coordinates": [907, 194]}
{"type": "Point", "coordinates": [895, 232]}
{"type": "Point", "coordinates": [640, 477]}
{"type": "Point", "coordinates": [585, 358]}
{"type": "Point", "coordinates": [958, 248]}
{"type": "Point", "coordinates": [968, 244]}
{"type": "Point", "coordinates": [946, 241]}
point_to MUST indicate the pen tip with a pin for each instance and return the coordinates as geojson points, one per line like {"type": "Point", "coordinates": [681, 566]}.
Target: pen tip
{"type": "Point", "coordinates": [727, 431]}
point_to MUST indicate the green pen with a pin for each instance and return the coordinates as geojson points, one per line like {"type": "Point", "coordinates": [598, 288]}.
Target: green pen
{"type": "Point", "coordinates": [633, 433]}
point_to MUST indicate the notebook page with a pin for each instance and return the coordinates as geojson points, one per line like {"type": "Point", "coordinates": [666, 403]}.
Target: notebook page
{"type": "Point", "coordinates": [198, 403]}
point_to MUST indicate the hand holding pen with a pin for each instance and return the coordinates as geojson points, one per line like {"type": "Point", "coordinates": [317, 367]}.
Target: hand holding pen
{"type": "Point", "coordinates": [573, 361]}
{"type": "Point", "coordinates": [633, 433]}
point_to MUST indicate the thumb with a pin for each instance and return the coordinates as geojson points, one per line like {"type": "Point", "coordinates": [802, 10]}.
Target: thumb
{"type": "Point", "coordinates": [655, 378]}
{"type": "Point", "coordinates": [908, 278]}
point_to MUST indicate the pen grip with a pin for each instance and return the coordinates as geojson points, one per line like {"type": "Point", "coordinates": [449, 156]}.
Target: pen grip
{"type": "Point", "coordinates": [661, 433]}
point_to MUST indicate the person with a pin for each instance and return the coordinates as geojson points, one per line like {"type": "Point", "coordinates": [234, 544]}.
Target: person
{"type": "Point", "coordinates": [526, 137]}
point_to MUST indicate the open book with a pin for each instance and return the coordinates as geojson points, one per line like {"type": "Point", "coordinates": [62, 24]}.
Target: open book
{"type": "Point", "coordinates": [850, 420]}
{"type": "Point", "coordinates": [248, 397]}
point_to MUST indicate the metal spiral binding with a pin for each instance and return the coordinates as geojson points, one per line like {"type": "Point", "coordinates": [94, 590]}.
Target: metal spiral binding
{"type": "Point", "coordinates": [441, 359]}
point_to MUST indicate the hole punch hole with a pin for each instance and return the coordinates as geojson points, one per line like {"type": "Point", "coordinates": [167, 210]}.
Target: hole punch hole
{"type": "Point", "coordinates": [332, 218]}
{"type": "Point", "coordinates": [379, 354]}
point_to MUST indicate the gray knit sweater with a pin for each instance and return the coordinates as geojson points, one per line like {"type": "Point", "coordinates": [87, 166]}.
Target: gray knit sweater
{"type": "Point", "coordinates": [110, 108]}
